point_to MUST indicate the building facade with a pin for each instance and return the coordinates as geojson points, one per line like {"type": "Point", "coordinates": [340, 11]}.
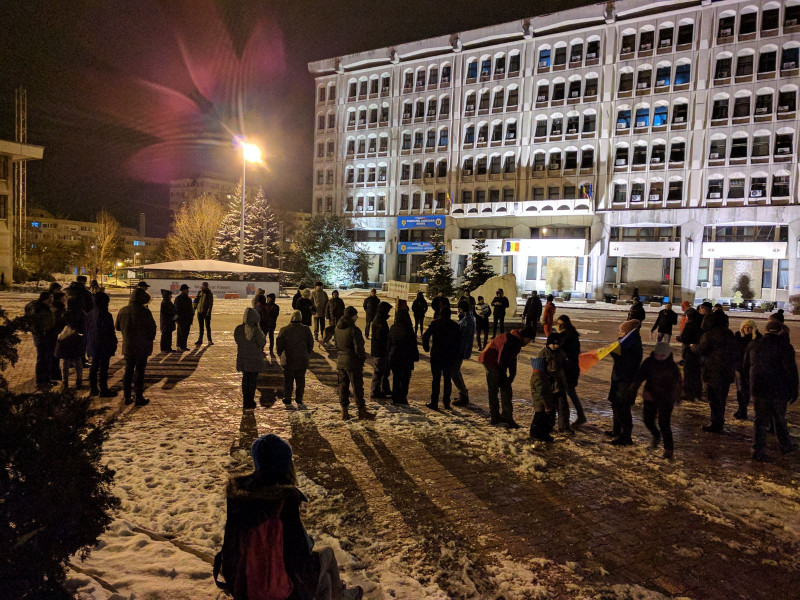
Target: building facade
{"type": "Point", "coordinates": [637, 143]}
{"type": "Point", "coordinates": [10, 152]}
{"type": "Point", "coordinates": [182, 191]}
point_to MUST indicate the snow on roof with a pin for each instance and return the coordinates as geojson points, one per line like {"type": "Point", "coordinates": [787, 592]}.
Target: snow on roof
{"type": "Point", "coordinates": [208, 266]}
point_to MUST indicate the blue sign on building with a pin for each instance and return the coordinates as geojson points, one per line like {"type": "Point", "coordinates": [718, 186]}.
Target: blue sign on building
{"type": "Point", "coordinates": [413, 247]}
{"type": "Point", "coordinates": [412, 221]}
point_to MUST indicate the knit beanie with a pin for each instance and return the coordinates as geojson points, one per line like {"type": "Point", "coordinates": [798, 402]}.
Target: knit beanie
{"type": "Point", "coordinates": [628, 326]}
{"type": "Point", "coordinates": [553, 338]}
{"type": "Point", "coordinates": [271, 456]}
{"type": "Point", "coordinates": [778, 316]}
{"type": "Point", "coordinates": [297, 316]}
{"type": "Point", "coordinates": [663, 350]}
{"type": "Point", "coordinates": [350, 312]}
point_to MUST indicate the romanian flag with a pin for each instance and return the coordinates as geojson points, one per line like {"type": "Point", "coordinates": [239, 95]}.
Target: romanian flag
{"type": "Point", "coordinates": [512, 247]}
{"type": "Point", "coordinates": [448, 200]}
{"type": "Point", "coordinates": [586, 360]}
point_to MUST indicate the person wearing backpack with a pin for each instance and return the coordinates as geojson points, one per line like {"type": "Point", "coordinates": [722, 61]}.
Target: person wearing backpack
{"type": "Point", "coordinates": [266, 552]}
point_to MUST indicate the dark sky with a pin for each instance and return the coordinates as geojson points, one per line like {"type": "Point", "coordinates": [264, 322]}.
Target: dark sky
{"type": "Point", "coordinates": [127, 95]}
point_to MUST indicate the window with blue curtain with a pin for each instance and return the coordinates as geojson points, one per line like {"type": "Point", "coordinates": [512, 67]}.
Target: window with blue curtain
{"type": "Point", "coordinates": [682, 74]}
{"type": "Point", "coordinates": [544, 58]}
{"type": "Point", "coordinates": [660, 116]}
{"type": "Point", "coordinates": [663, 76]}
{"type": "Point", "coordinates": [642, 117]}
{"type": "Point", "coordinates": [472, 70]}
{"type": "Point", "coordinates": [624, 119]}
{"type": "Point", "coordinates": [486, 67]}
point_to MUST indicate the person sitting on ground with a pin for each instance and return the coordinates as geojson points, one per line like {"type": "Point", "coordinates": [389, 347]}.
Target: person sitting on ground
{"type": "Point", "coordinates": [548, 388]}
{"type": "Point", "coordinates": [294, 344]}
{"type": "Point", "coordinates": [250, 342]}
{"type": "Point", "coordinates": [662, 390]}
{"type": "Point", "coordinates": [291, 567]}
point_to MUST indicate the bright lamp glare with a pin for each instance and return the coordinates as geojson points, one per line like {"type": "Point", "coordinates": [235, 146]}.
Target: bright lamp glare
{"type": "Point", "coordinates": [251, 152]}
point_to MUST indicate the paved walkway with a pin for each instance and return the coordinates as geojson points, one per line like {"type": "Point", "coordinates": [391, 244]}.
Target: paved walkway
{"type": "Point", "coordinates": [422, 504]}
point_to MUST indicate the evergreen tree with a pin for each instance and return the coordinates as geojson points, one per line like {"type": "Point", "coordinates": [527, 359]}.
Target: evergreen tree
{"type": "Point", "coordinates": [326, 252]}
{"type": "Point", "coordinates": [436, 268]}
{"type": "Point", "coordinates": [479, 270]}
{"type": "Point", "coordinates": [260, 229]}
{"type": "Point", "coordinates": [227, 240]}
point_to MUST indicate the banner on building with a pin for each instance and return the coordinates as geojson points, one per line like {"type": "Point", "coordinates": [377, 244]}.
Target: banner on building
{"type": "Point", "coordinates": [745, 249]}
{"type": "Point", "coordinates": [412, 221]}
{"type": "Point", "coordinates": [413, 247]}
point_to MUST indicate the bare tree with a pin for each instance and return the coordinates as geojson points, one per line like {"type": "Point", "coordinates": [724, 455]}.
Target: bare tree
{"type": "Point", "coordinates": [194, 230]}
{"type": "Point", "coordinates": [103, 244]}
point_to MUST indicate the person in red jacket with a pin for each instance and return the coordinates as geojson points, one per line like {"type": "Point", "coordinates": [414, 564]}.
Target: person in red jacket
{"type": "Point", "coordinates": [548, 315]}
{"type": "Point", "coordinates": [499, 359]}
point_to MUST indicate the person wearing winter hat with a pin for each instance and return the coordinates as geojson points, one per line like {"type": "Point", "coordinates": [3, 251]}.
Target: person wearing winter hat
{"type": "Point", "coordinates": [662, 390]}
{"type": "Point", "coordinates": [380, 352]}
{"type": "Point", "coordinates": [185, 316]}
{"type": "Point", "coordinates": [779, 317]}
{"type": "Point", "coordinates": [442, 339]}
{"type": "Point", "coordinates": [748, 331]}
{"type": "Point", "coordinates": [250, 342]}
{"type": "Point", "coordinates": [294, 346]}
{"type": "Point", "coordinates": [306, 306]}
{"type": "Point", "coordinates": [622, 393]}
{"type": "Point", "coordinates": [167, 318]}
{"type": "Point", "coordinates": [549, 390]}
{"type": "Point", "coordinates": [770, 362]}
{"type": "Point", "coordinates": [271, 492]}
{"type": "Point", "coordinates": [718, 349]}
{"type": "Point", "coordinates": [350, 363]}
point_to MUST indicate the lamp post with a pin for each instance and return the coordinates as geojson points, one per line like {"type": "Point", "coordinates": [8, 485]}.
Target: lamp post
{"type": "Point", "coordinates": [250, 153]}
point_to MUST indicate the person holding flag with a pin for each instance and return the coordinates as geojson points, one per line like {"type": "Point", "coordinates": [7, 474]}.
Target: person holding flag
{"type": "Point", "coordinates": [627, 358]}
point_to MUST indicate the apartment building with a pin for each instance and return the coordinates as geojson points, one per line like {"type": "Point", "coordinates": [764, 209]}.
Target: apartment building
{"type": "Point", "coordinates": [184, 190]}
{"type": "Point", "coordinates": [633, 143]}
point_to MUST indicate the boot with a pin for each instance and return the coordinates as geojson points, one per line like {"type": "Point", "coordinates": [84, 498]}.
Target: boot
{"type": "Point", "coordinates": [93, 391]}
{"type": "Point", "coordinates": [142, 401]}
{"type": "Point", "coordinates": [128, 399]}
{"type": "Point", "coordinates": [668, 453]}
{"type": "Point", "coordinates": [345, 414]}
{"type": "Point", "coordinates": [364, 414]}
{"type": "Point", "coordinates": [462, 401]}
{"type": "Point", "coordinates": [432, 405]}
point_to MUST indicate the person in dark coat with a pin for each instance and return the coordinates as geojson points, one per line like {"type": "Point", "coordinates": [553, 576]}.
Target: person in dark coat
{"type": "Point", "coordinates": [482, 314]}
{"type": "Point", "coordinates": [666, 320]}
{"type": "Point", "coordinates": [77, 289]}
{"type": "Point", "coordinates": [571, 347]}
{"type": "Point", "coordinates": [269, 311]}
{"type": "Point", "coordinates": [184, 311]}
{"type": "Point", "coordinates": [622, 393]}
{"type": "Point", "coordinates": [204, 304]}
{"type": "Point", "coordinates": [306, 307]}
{"type": "Point", "coordinates": [692, 365]}
{"type": "Point", "coordinates": [40, 319]}
{"type": "Point", "coordinates": [466, 326]}
{"type": "Point", "coordinates": [294, 345]}
{"type": "Point", "coordinates": [746, 334]}
{"type": "Point", "coordinates": [371, 304]}
{"type": "Point", "coordinates": [101, 345]}
{"type": "Point", "coordinates": [167, 318]}
{"type": "Point", "coordinates": [250, 342]}
{"type": "Point", "coordinates": [499, 360]}
{"type": "Point", "coordinates": [438, 303]}
{"type": "Point", "coordinates": [59, 309]}
{"type": "Point", "coordinates": [532, 311]}
{"type": "Point", "coordinates": [271, 490]}
{"type": "Point", "coordinates": [403, 353]}
{"type": "Point", "coordinates": [442, 340]}
{"type": "Point", "coordinates": [71, 342]}
{"type": "Point", "coordinates": [468, 297]}
{"type": "Point", "coordinates": [419, 307]}
{"type": "Point", "coordinates": [298, 294]}
{"type": "Point", "coordinates": [380, 352]}
{"type": "Point", "coordinates": [662, 390]}
{"type": "Point", "coordinates": [499, 307]}
{"type": "Point", "coordinates": [334, 311]}
{"type": "Point", "coordinates": [637, 310]}
{"type": "Point", "coordinates": [320, 299]}
{"type": "Point", "coordinates": [770, 362]}
{"type": "Point", "coordinates": [138, 332]}
{"type": "Point", "coordinates": [717, 348]}
{"type": "Point", "coordinates": [548, 388]}
{"type": "Point", "coordinates": [350, 359]}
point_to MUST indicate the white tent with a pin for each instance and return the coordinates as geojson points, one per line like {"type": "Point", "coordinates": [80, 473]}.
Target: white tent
{"type": "Point", "coordinates": [208, 266]}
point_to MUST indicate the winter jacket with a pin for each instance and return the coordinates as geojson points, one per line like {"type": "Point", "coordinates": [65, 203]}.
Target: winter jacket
{"type": "Point", "coordinates": [770, 361]}
{"type": "Point", "coordinates": [665, 321]}
{"type": "Point", "coordinates": [380, 331]}
{"type": "Point", "coordinates": [547, 378]}
{"type": "Point", "coordinates": [269, 316]}
{"type": "Point", "coordinates": [371, 304]}
{"type": "Point", "coordinates": [482, 314]}
{"type": "Point", "coordinates": [350, 344]}
{"type": "Point", "coordinates": [76, 319]}
{"type": "Point", "coordinates": [571, 347]}
{"type": "Point", "coordinates": [184, 309]}
{"type": "Point", "coordinates": [306, 307]}
{"type": "Point", "coordinates": [466, 326]}
{"type": "Point", "coordinates": [718, 349]}
{"type": "Point", "coordinates": [438, 303]}
{"type": "Point", "coordinates": [662, 379]}
{"type": "Point", "coordinates": [548, 316]}
{"type": "Point", "coordinates": [204, 301]}
{"type": "Point", "coordinates": [334, 310]}
{"type": "Point", "coordinates": [70, 346]}
{"type": "Point", "coordinates": [636, 312]}
{"type": "Point", "coordinates": [40, 319]}
{"type": "Point", "coordinates": [167, 315]}
{"type": "Point", "coordinates": [419, 306]}
{"type": "Point", "coordinates": [101, 338]}
{"type": "Point", "coordinates": [403, 350]}
{"type": "Point", "coordinates": [501, 353]}
{"type": "Point", "coordinates": [742, 342]}
{"type": "Point", "coordinates": [294, 344]}
{"type": "Point", "coordinates": [320, 299]}
{"type": "Point", "coordinates": [138, 328]}
{"type": "Point", "coordinates": [499, 306]}
{"type": "Point", "coordinates": [446, 346]}
{"type": "Point", "coordinates": [79, 291]}
{"type": "Point", "coordinates": [627, 363]}
{"type": "Point", "coordinates": [249, 503]}
{"type": "Point", "coordinates": [249, 352]}
{"type": "Point", "coordinates": [295, 298]}
{"type": "Point", "coordinates": [533, 309]}
{"type": "Point", "coordinates": [692, 332]}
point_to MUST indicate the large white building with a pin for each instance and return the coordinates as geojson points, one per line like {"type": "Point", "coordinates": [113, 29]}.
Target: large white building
{"type": "Point", "coordinates": [632, 143]}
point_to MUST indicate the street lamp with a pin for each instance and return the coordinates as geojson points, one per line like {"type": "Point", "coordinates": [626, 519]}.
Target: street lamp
{"type": "Point", "coordinates": [250, 153]}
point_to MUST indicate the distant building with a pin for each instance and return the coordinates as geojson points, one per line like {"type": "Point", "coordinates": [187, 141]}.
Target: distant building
{"type": "Point", "coordinates": [184, 190]}
{"type": "Point", "coordinates": [10, 152]}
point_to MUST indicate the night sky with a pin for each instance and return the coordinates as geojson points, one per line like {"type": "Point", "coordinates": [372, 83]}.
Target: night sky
{"type": "Point", "coordinates": [126, 95]}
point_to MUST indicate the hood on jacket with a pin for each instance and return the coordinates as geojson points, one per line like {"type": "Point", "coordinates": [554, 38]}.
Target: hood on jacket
{"type": "Point", "coordinates": [166, 295]}
{"type": "Point", "coordinates": [383, 309]}
{"type": "Point", "coordinates": [345, 322]}
{"type": "Point", "coordinates": [248, 489]}
{"type": "Point", "coordinates": [251, 317]}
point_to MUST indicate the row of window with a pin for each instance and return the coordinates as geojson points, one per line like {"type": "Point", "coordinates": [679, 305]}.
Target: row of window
{"type": "Point", "coordinates": [711, 271]}
{"type": "Point", "coordinates": [663, 78]}
{"type": "Point", "coordinates": [746, 233]}
{"type": "Point", "coordinates": [740, 147]}
{"type": "Point", "coordinates": [737, 187]}
{"type": "Point", "coordinates": [748, 21]}
{"type": "Point", "coordinates": [496, 100]}
{"type": "Point", "coordinates": [745, 62]}
{"type": "Point", "coordinates": [426, 77]}
{"type": "Point", "coordinates": [417, 110]}
{"type": "Point", "coordinates": [622, 190]}
{"type": "Point", "coordinates": [744, 107]}
{"type": "Point", "coordinates": [364, 116]}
